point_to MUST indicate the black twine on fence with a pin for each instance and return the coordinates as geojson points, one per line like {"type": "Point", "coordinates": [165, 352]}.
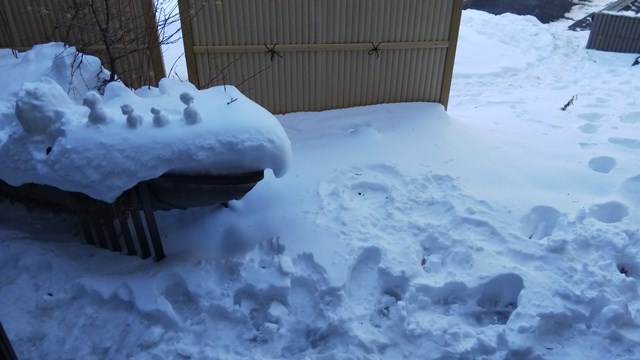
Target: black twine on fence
{"type": "Point", "coordinates": [375, 49]}
{"type": "Point", "coordinates": [273, 52]}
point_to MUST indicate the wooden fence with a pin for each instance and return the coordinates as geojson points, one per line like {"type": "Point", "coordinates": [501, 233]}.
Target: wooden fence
{"type": "Point", "coordinates": [312, 55]}
{"type": "Point", "coordinates": [131, 26]}
{"type": "Point", "coordinates": [615, 32]}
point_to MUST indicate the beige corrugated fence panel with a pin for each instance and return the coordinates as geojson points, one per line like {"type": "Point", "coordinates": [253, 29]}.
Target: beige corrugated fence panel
{"type": "Point", "coordinates": [25, 23]}
{"type": "Point", "coordinates": [312, 55]}
{"type": "Point", "coordinates": [611, 32]}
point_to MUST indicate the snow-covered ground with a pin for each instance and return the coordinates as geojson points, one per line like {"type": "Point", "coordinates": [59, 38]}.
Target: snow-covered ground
{"type": "Point", "coordinates": [506, 228]}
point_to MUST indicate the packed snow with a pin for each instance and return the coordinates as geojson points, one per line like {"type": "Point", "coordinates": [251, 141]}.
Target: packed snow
{"type": "Point", "coordinates": [505, 228]}
{"type": "Point", "coordinates": [57, 132]}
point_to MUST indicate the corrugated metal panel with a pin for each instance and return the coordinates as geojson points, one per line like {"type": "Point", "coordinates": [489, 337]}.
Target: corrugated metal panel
{"type": "Point", "coordinates": [618, 33]}
{"type": "Point", "coordinates": [293, 55]}
{"type": "Point", "coordinates": [29, 22]}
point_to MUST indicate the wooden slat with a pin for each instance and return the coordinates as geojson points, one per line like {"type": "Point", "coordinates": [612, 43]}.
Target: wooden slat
{"type": "Point", "coordinates": [140, 234]}
{"type": "Point", "coordinates": [98, 228]}
{"type": "Point", "coordinates": [88, 233]}
{"type": "Point", "coordinates": [152, 226]}
{"type": "Point", "coordinates": [447, 75]}
{"type": "Point", "coordinates": [125, 229]}
{"type": "Point", "coordinates": [112, 235]}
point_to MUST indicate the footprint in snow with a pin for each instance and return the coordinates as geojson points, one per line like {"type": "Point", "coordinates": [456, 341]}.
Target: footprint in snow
{"type": "Point", "coordinates": [626, 142]}
{"type": "Point", "coordinates": [602, 164]}
{"type": "Point", "coordinates": [609, 212]}
{"type": "Point", "coordinates": [372, 192]}
{"type": "Point", "coordinates": [589, 128]}
{"type": "Point", "coordinates": [362, 285]}
{"type": "Point", "coordinates": [630, 189]}
{"type": "Point", "coordinates": [264, 307]}
{"type": "Point", "coordinates": [628, 259]}
{"type": "Point", "coordinates": [494, 303]}
{"type": "Point", "coordinates": [498, 299]}
{"type": "Point", "coordinates": [303, 298]}
{"type": "Point", "coordinates": [629, 267]}
{"type": "Point", "coordinates": [173, 289]}
{"type": "Point", "coordinates": [539, 222]}
{"type": "Point", "coordinates": [630, 118]}
{"type": "Point", "coordinates": [592, 116]}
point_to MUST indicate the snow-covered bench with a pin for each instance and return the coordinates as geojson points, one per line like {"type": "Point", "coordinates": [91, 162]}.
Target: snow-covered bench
{"type": "Point", "coordinates": [128, 224]}
{"type": "Point", "coordinates": [109, 158]}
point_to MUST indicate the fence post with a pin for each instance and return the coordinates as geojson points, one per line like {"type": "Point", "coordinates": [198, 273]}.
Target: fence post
{"type": "Point", "coordinates": [187, 39]}
{"type": "Point", "coordinates": [447, 75]}
{"type": "Point", "coordinates": [6, 351]}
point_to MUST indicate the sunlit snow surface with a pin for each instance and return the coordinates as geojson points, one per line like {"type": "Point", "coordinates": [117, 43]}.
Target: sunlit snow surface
{"type": "Point", "coordinates": [503, 229]}
{"type": "Point", "coordinates": [101, 155]}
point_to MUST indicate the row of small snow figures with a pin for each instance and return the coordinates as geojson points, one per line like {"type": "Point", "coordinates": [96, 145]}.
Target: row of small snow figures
{"type": "Point", "coordinates": [98, 116]}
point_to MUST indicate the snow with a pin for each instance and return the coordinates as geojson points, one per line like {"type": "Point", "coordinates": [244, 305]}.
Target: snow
{"type": "Point", "coordinates": [108, 145]}
{"type": "Point", "coordinates": [627, 13]}
{"type": "Point", "coordinates": [585, 8]}
{"type": "Point", "coordinates": [505, 228]}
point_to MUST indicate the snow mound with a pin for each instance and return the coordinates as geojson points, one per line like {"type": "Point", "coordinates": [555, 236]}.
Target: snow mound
{"type": "Point", "coordinates": [511, 48]}
{"type": "Point", "coordinates": [40, 107]}
{"type": "Point", "coordinates": [108, 144]}
{"type": "Point", "coordinates": [55, 61]}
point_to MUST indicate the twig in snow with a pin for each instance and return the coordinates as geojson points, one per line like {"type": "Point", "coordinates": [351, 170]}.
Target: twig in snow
{"type": "Point", "coordinates": [570, 102]}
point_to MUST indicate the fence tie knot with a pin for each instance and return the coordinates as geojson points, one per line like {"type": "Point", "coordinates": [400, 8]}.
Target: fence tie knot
{"type": "Point", "coordinates": [375, 49]}
{"type": "Point", "coordinates": [272, 50]}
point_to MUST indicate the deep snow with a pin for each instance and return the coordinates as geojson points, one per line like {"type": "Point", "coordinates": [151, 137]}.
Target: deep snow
{"type": "Point", "coordinates": [506, 228]}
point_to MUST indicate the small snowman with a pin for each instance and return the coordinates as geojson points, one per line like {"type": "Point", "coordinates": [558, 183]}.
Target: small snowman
{"type": "Point", "coordinates": [133, 120]}
{"type": "Point", "coordinates": [191, 115]}
{"type": "Point", "coordinates": [159, 119]}
{"type": "Point", "coordinates": [93, 101]}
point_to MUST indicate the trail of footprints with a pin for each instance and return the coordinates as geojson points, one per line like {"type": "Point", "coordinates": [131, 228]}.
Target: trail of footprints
{"type": "Point", "coordinates": [541, 221]}
{"type": "Point", "coordinates": [405, 207]}
{"type": "Point", "coordinates": [609, 212]}
{"type": "Point", "coordinates": [490, 303]}
{"type": "Point", "coordinates": [299, 310]}
{"type": "Point", "coordinates": [614, 211]}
